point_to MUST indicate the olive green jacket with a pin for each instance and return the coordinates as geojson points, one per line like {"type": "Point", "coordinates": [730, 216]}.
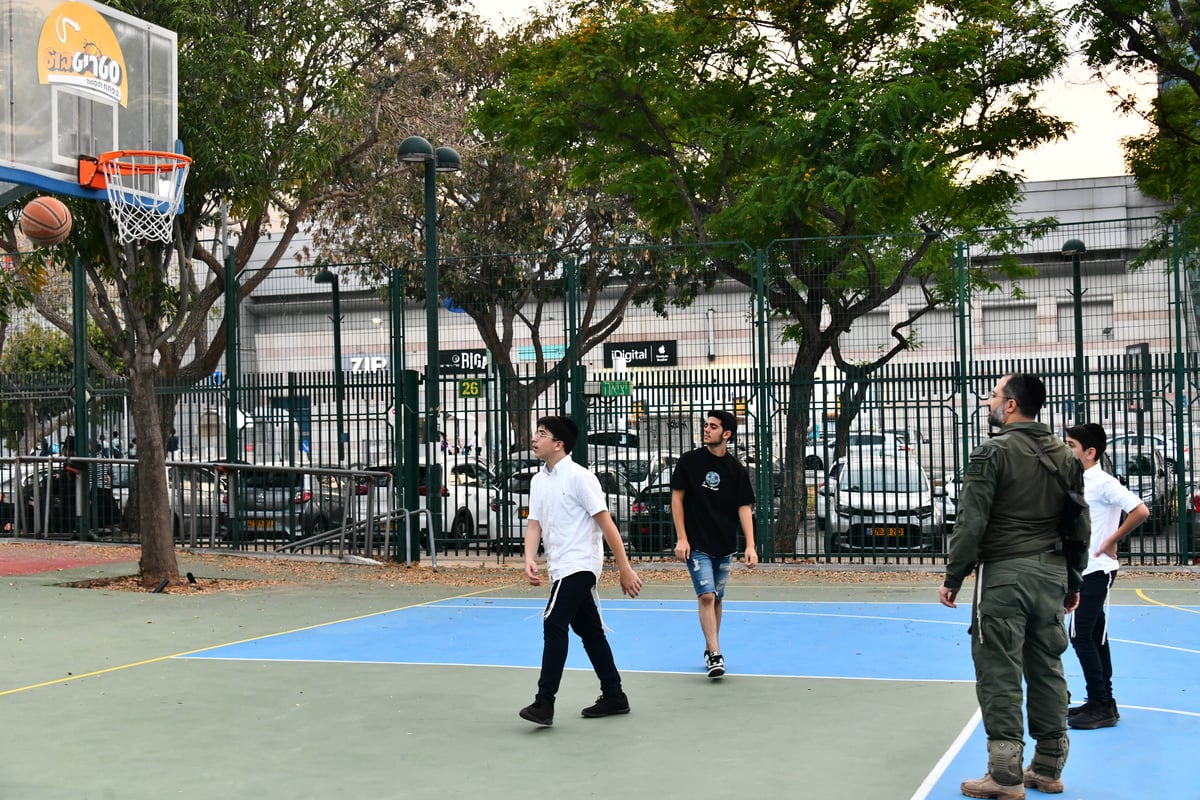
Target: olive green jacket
{"type": "Point", "coordinates": [1009, 504]}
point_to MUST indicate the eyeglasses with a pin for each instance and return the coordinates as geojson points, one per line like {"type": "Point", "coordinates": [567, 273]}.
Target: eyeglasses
{"type": "Point", "coordinates": [541, 434]}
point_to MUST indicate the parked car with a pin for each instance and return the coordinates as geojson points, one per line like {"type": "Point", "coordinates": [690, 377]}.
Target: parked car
{"type": "Point", "coordinates": [951, 485]}
{"type": "Point", "coordinates": [881, 504]}
{"type": "Point", "coordinates": [512, 464]}
{"type": "Point", "coordinates": [283, 504]}
{"type": "Point", "coordinates": [510, 505]}
{"type": "Point", "coordinates": [1131, 441]}
{"type": "Point", "coordinates": [467, 487]}
{"type": "Point", "coordinates": [651, 527]}
{"type": "Point", "coordinates": [117, 477]}
{"type": "Point", "coordinates": [48, 496]}
{"type": "Point", "coordinates": [639, 468]}
{"type": "Point", "coordinates": [199, 500]}
{"type": "Point", "coordinates": [1142, 466]}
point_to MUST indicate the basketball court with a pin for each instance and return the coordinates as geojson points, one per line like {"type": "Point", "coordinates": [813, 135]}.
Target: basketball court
{"type": "Point", "coordinates": [834, 690]}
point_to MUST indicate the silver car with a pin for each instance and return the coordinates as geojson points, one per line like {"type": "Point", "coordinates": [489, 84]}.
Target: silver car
{"type": "Point", "coordinates": [881, 504]}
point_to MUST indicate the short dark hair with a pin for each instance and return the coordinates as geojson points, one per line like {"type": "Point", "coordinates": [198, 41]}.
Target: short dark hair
{"type": "Point", "coordinates": [1029, 392]}
{"type": "Point", "coordinates": [562, 428]}
{"type": "Point", "coordinates": [1089, 435]}
{"type": "Point", "coordinates": [728, 421]}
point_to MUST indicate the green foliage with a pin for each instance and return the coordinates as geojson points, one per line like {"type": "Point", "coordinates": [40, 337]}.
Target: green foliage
{"type": "Point", "coordinates": [1135, 36]}
{"type": "Point", "coordinates": [37, 350]}
{"type": "Point", "coordinates": [793, 122]}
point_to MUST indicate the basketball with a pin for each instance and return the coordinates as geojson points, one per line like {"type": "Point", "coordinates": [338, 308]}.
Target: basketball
{"type": "Point", "coordinates": [46, 221]}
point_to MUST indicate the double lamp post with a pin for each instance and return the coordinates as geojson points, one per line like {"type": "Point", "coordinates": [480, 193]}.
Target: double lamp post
{"type": "Point", "coordinates": [414, 149]}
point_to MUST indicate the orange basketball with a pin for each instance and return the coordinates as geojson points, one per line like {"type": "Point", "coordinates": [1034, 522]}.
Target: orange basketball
{"type": "Point", "coordinates": [46, 221]}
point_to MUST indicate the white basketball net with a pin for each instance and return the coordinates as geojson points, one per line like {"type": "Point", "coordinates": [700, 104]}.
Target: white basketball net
{"type": "Point", "coordinates": [145, 193]}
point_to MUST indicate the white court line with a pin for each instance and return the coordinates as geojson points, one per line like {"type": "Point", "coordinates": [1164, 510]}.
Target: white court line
{"type": "Point", "coordinates": [635, 610]}
{"type": "Point", "coordinates": [1187, 650]}
{"type": "Point", "coordinates": [939, 769]}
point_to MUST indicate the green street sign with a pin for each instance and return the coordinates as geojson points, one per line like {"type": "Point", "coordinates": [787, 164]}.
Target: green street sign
{"type": "Point", "coordinates": [615, 388]}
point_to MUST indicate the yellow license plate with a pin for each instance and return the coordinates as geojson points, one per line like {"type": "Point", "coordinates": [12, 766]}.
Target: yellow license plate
{"type": "Point", "coordinates": [265, 524]}
{"type": "Point", "coordinates": [524, 512]}
{"type": "Point", "coordinates": [887, 531]}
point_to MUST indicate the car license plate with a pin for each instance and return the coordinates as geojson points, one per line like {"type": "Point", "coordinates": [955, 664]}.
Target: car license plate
{"type": "Point", "coordinates": [887, 532]}
{"type": "Point", "coordinates": [524, 512]}
{"type": "Point", "coordinates": [265, 524]}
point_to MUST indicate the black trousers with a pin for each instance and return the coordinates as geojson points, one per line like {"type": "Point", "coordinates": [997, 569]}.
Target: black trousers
{"type": "Point", "coordinates": [571, 605]}
{"type": "Point", "coordinates": [1089, 638]}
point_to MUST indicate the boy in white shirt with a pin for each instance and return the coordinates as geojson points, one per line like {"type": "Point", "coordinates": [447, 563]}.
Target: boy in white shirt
{"type": "Point", "coordinates": [568, 514]}
{"type": "Point", "coordinates": [1107, 499]}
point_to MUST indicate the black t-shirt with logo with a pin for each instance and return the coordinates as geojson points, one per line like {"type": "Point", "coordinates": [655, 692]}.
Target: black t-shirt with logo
{"type": "Point", "coordinates": [714, 488]}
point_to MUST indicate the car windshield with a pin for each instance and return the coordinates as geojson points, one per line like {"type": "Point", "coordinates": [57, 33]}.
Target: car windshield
{"type": "Point", "coordinates": [865, 439]}
{"type": "Point", "coordinates": [272, 480]}
{"type": "Point", "coordinates": [883, 478]}
{"type": "Point", "coordinates": [1133, 463]}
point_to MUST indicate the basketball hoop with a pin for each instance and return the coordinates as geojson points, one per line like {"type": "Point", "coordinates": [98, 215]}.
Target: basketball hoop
{"type": "Point", "coordinates": [145, 192]}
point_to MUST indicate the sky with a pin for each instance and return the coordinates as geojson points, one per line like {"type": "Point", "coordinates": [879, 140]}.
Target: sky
{"type": "Point", "coordinates": [1093, 150]}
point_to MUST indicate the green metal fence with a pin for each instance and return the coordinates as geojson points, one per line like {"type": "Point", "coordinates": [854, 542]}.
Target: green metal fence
{"type": "Point", "coordinates": [773, 335]}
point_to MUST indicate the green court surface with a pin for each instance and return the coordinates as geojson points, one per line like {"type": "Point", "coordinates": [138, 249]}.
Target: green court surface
{"type": "Point", "coordinates": [360, 689]}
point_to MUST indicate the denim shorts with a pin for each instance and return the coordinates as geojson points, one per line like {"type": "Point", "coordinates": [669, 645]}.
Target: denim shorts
{"type": "Point", "coordinates": [709, 575]}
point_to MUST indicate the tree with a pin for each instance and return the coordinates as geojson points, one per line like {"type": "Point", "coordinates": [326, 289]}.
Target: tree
{"type": "Point", "coordinates": [509, 228]}
{"type": "Point", "coordinates": [1133, 37]}
{"type": "Point", "coordinates": [38, 354]}
{"type": "Point", "coordinates": [265, 97]}
{"type": "Point", "coordinates": [821, 127]}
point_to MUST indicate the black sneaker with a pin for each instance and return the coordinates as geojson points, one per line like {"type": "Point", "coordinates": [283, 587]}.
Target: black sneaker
{"type": "Point", "coordinates": [607, 705]}
{"type": "Point", "coordinates": [1074, 710]}
{"type": "Point", "coordinates": [1088, 705]}
{"type": "Point", "coordinates": [539, 713]}
{"type": "Point", "coordinates": [706, 655]}
{"type": "Point", "coordinates": [1098, 716]}
{"type": "Point", "coordinates": [716, 665]}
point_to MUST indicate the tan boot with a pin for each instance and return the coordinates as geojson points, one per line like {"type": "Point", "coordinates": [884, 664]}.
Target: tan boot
{"type": "Point", "coordinates": [989, 788]}
{"type": "Point", "coordinates": [1042, 783]}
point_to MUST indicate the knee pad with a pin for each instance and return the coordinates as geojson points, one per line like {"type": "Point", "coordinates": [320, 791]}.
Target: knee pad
{"type": "Point", "coordinates": [1004, 761]}
{"type": "Point", "coordinates": [1050, 756]}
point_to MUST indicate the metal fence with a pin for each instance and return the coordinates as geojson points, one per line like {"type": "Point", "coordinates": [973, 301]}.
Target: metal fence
{"type": "Point", "coordinates": [641, 379]}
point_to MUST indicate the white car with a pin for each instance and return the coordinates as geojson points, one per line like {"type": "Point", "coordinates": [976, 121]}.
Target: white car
{"type": "Point", "coordinates": [467, 488]}
{"type": "Point", "coordinates": [880, 504]}
{"type": "Point", "coordinates": [510, 505]}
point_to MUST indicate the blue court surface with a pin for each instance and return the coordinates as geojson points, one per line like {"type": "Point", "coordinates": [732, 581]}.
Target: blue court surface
{"type": "Point", "coordinates": [1156, 653]}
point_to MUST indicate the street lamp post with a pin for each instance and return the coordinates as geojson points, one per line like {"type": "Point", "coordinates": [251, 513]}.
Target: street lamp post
{"type": "Point", "coordinates": [1074, 248]}
{"type": "Point", "coordinates": [417, 149]}
{"type": "Point", "coordinates": [339, 387]}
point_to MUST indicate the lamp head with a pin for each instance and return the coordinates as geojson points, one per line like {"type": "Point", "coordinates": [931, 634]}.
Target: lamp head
{"type": "Point", "coordinates": [447, 160]}
{"type": "Point", "coordinates": [1073, 247]}
{"type": "Point", "coordinates": [325, 276]}
{"type": "Point", "coordinates": [415, 149]}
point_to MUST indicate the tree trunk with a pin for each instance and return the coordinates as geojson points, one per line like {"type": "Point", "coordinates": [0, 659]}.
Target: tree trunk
{"type": "Point", "coordinates": [158, 542]}
{"type": "Point", "coordinates": [793, 501]}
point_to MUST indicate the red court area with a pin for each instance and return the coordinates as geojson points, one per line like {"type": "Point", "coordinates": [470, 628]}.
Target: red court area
{"type": "Point", "coordinates": [32, 559]}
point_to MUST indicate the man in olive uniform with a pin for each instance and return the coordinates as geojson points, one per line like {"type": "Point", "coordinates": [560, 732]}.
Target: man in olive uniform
{"type": "Point", "coordinates": [1007, 532]}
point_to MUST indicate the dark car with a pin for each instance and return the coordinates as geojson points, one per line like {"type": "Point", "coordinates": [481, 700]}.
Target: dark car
{"type": "Point", "coordinates": [651, 529]}
{"type": "Point", "coordinates": [53, 492]}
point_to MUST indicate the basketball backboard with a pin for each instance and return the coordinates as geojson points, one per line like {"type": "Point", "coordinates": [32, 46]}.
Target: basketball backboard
{"type": "Point", "coordinates": [79, 79]}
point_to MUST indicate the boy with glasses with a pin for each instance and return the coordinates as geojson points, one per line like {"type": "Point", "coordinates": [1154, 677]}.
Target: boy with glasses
{"type": "Point", "coordinates": [569, 516]}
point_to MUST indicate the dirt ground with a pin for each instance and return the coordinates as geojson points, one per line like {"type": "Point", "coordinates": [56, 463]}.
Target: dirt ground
{"type": "Point", "coordinates": [206, 572]}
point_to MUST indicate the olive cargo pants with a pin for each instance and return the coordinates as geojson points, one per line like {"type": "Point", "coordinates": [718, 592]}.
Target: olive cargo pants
{"type": "Point", "coordinates": [1017, 634]}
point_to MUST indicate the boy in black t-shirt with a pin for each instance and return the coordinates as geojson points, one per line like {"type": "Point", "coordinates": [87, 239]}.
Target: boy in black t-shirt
{"type": "Point", "coordinates": [711, 496]}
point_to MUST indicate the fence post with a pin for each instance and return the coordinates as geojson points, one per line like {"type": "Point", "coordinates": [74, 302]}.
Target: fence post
{"type": "Point", "coordinates": [83, 508]}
